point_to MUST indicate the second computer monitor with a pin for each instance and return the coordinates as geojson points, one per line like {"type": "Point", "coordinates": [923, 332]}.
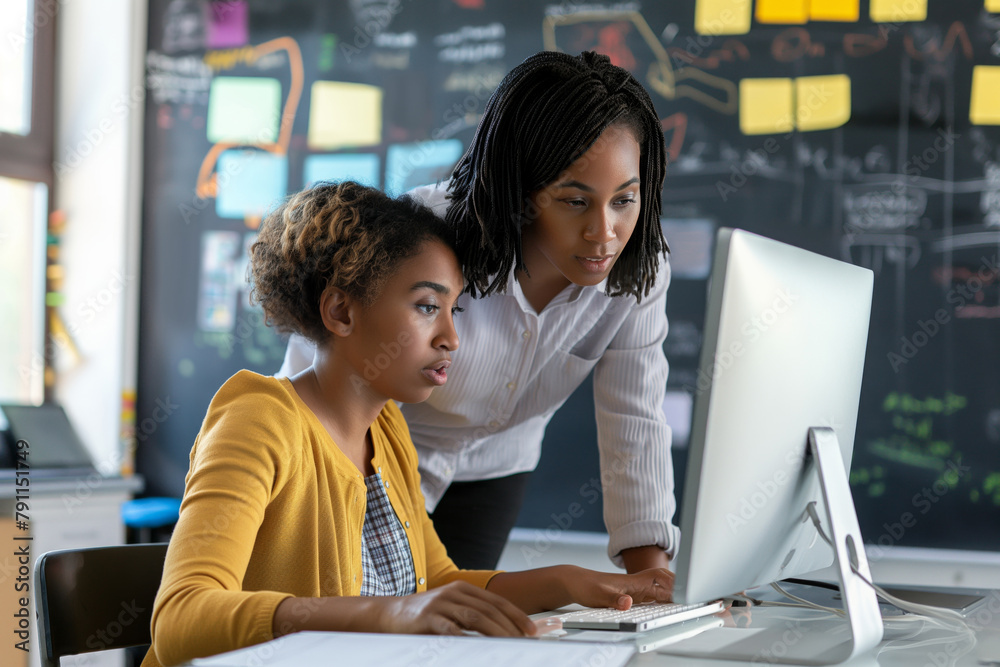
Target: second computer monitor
{"type": "Point", "coordinates": [783, 351]}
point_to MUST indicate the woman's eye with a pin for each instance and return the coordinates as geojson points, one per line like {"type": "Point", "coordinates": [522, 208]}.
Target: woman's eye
{"type": "Point", "coordinates": [426, 308]}
{"type": "Point", "coordinates": [574, 203]}
{"type": "Point", "coordinates": [457, 309]}
{"type": "Point", "coordinates": [625, 201]}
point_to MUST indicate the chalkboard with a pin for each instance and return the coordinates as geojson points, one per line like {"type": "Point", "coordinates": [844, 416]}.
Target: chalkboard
{"type": "Point", "coordinates": [868, 132]}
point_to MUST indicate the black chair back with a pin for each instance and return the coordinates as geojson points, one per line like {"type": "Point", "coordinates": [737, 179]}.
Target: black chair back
{"type": "Point", "coordinates": [96, 599]}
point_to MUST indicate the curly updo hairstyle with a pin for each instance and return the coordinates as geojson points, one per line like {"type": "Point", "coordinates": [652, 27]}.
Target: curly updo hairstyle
{"type": "Point", "coordinates": [545, 114]}
{"type": "Point", "coordinates": [343, 235]}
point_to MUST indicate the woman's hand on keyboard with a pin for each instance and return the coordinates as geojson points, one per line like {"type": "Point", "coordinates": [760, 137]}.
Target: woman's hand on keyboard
{"type": "Point", "coordinates": [559, 585]}
{"type": "Point", "coordinates": [620, 591]}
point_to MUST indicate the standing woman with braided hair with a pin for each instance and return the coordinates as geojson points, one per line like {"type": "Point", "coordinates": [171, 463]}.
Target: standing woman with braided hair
{"type": "Point", "coordinates": [556, 208]}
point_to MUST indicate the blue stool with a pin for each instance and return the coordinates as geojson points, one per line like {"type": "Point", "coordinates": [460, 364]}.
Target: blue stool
{"type": "Point", "coordinates": [145, 514]}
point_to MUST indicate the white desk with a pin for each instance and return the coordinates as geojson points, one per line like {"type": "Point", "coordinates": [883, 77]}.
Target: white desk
{"type": "Point", "coordinates": [910, 645]}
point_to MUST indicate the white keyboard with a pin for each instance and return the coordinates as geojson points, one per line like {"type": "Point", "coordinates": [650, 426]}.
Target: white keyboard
{"type": "Point", "coordinates": [639, 618]}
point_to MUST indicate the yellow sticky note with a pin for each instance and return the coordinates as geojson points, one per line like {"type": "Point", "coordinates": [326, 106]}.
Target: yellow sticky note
{"type": "Point", "coordinates": [782, 11]}
{"type": "Point", "coordinates": [984, 107]}
{"type": "Point", "coordinates": [244, 110]}
{"type": "Point", "coordinates": [344, 114]}
{"type": "Point", "coordinates": [766, 106]}
{"type": "Point", "coordinates": [886, 11]}
{"type": "Point", "coordinates": [722, 17]}
{"type": "Point", "coordinates": [993, 6]}
{"type": "Point", "coordinates": [822, 102]}
{"type": "Point", "coordinates": [835, 10]}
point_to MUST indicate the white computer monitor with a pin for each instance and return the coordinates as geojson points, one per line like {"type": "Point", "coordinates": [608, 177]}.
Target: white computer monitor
{"type": "Point", "coordinates": [783, 353]}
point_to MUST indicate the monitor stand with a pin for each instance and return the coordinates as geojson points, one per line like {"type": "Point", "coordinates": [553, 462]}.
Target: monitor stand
{"type": "Point", "coordinates": [860, 604]}
{"type": "Point", "coordinates": [864, 618]}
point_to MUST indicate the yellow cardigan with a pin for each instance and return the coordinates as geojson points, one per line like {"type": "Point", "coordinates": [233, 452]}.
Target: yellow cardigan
{"type": "Point", "coordinates": [272, 508]}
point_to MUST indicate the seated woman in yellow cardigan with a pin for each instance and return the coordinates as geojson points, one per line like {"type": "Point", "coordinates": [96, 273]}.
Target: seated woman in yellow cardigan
{"type": "Point", "coordinates": [302, 508]}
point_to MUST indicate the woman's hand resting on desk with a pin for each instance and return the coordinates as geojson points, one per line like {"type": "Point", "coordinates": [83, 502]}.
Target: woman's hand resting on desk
{"type": "Point", "coordinates": [455, 608]}
{"type": "Point", "coordinates": [447, 610]}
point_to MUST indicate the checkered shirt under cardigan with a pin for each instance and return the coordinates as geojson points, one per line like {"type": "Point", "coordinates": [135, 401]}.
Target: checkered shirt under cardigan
{"type": "Point", "coordinates": [386, 561]}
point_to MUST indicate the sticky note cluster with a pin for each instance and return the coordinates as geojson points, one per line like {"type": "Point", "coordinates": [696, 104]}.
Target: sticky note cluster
{"type": "Point", "coordinates": [733, 17]}
{"type": "Point", "coordinates": [807, 103]}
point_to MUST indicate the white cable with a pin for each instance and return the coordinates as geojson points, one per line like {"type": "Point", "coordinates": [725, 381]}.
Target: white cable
{"type": "Point", "coordinates": [940, 613]}
{"type": "Point", "coordinates": [807, 603]}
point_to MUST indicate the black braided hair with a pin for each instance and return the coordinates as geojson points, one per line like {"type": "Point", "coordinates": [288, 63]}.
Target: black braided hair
{"type": "Point", "coordinates": [545, 114]}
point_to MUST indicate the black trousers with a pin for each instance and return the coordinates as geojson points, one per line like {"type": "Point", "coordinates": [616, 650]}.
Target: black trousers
{"type": "Point", "coordinates": [474, 519]}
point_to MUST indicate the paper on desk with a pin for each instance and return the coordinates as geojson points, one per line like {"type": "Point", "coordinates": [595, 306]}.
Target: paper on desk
{"type": "Point", "coordinates": [308, 649]}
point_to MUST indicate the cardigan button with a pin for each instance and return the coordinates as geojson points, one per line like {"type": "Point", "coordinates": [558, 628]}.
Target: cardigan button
{"type": "Point", "coordinates": [406, 523]}
{"type": "Point", "coordinates": [420, 581]}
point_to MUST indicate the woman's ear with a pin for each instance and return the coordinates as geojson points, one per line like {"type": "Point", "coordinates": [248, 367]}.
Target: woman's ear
{"type": "Point", "coordinates": [336, 307]}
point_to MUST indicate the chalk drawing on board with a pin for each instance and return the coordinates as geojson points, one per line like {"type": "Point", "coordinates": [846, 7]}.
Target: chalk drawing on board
{"type": "Point", "coordinates": [207, 185]}
{"type": "Point", "coordinates": [184, 26]}
{"type": "Point", "coordinates": [729, 51]}
{"type": "Point", "coordinates": [873, 251]}
{"type": "Point", "coordinates": [719, 94]}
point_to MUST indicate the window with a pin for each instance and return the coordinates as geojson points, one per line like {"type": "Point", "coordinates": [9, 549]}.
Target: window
{"type": "Point", "coordinates": [27, 63]}
{"type": "Point", "coordinates": [23, 209]}
{"type": "Point", "coordinates": [15, 68]}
